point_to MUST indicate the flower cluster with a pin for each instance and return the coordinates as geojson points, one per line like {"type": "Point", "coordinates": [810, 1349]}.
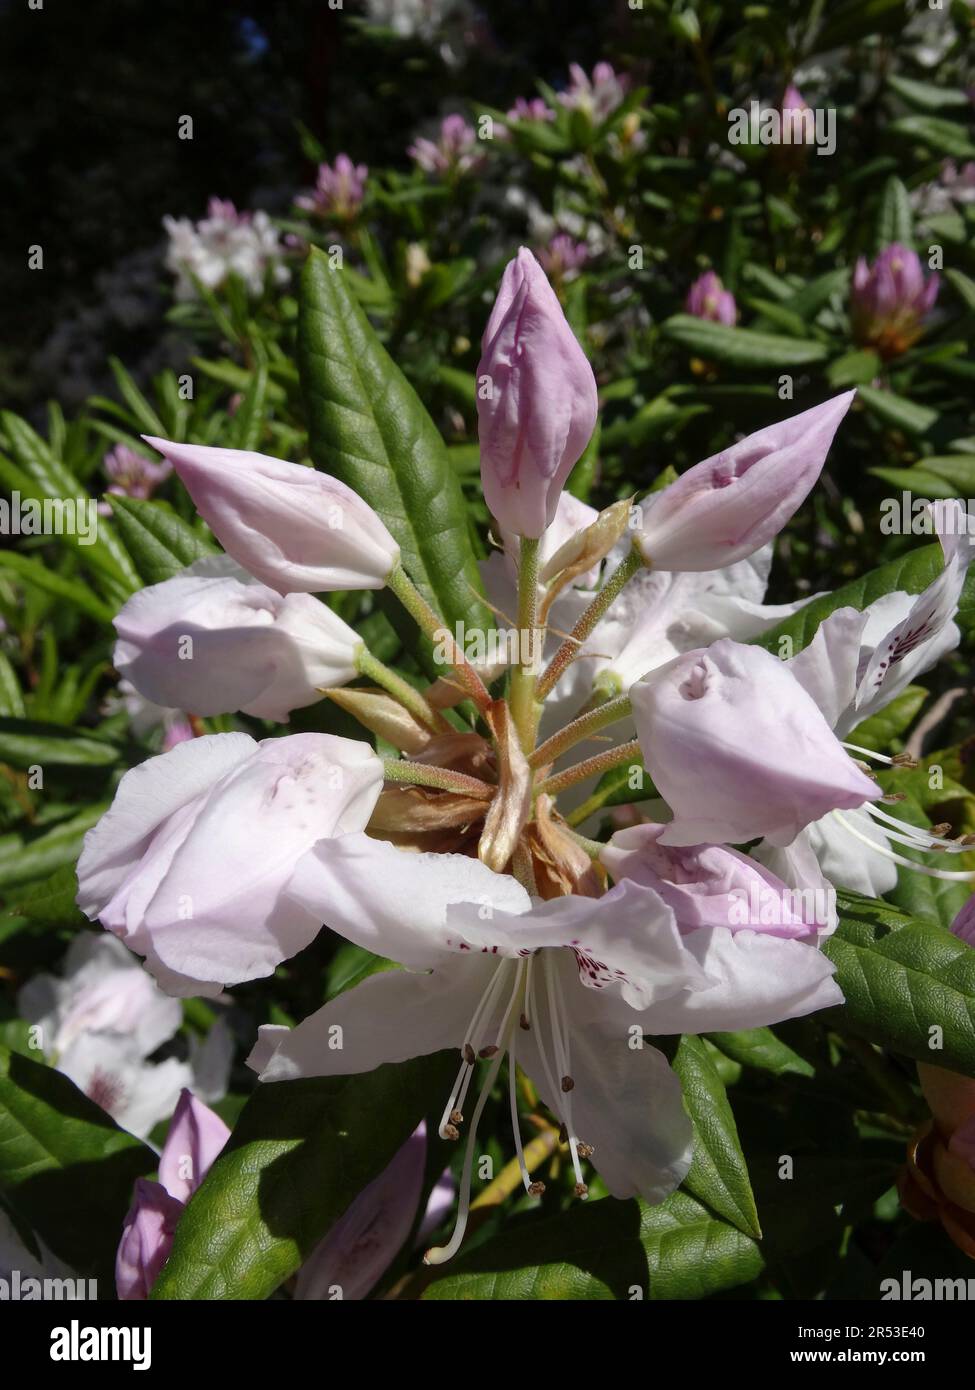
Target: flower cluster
{"type": "Point", "coordinates": [466, 860]}
{"type": "Point", "coordinates": [224, 243]}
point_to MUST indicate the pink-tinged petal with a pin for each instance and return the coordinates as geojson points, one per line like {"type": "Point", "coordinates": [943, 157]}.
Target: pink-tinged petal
{"type": "Point", "coordinates": [536, 403]}
{"type": "Point", "coordinates": [761, 979]}
{"type": "Point", "coordinates": [196, 1136]}
{"type": "Point", "coordinates": [625, 941]}
{"type": "Point", "coordinates": [350, 1260]}
{"type": "Point", "coordinates": [828, 667]}
{"type": "Point", "coordinates": [147, 1239]}
{"type": "Point", "coordinates": [292, 527]}
{"type": "Point", "coordinates": [738, 749]}
{"type": "Point", "coordinates": [212, 640]}
{"type": "Point", "coordinates": [394, 902]}
{"type": "Point", "coordinates": [389, 1017]}
{"type": "Point", "coordinates": [725, 508]}
{"type": "Point", "coordinates": [146, 797]}
{"type": "Point", "coordinates": [626, 1100]}
{"type": "Point", "coordinates": [708, 885]}
{"type": "Point", "coordinates": [219, 912]}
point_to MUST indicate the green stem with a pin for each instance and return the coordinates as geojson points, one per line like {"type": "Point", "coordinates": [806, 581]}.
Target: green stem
{"type": "Point", "coordinates": [438, 632]}
{"type": "Point", "coordinates": [369, 665]}
{"type": "Point", "coordinates": [570, 647]}
{"type": "Point", "coordinates": [578, 772]}
{"type": "Point", "coordinates": [522, 696]}
{"type": "Point", "coordinates": [443, 778]}
{"type": "Point", "coordinates": [579, 730]}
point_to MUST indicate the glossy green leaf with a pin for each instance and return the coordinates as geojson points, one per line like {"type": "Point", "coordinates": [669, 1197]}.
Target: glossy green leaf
{"type": "Point", "coordinates": [907, 982]}
{"type": "Point", "coordinates": [719, 1173]}
{"type": "Point", "coordinates": [894, 221]}
{"type": "Point", "coordinates": [607, 1250]}
{"type": "Point", "coordinates": [762, 1049]}
{"type": "Point", "coordinates": [740, 347]}
{"type": "Point", "coordinates": [160, 542]}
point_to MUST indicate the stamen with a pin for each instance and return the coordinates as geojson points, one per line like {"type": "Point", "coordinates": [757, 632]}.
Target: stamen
{"type": "Point", "coordinates": [560, 1041]}
{"type": "Point", "coordinates": [923, 837]}
{"type": "Point", "coordinates": [955, 876]}
{"type": "Point", "coordinates": [458, 1092]}
{"type": "Point", "coordinates": [904, 760]}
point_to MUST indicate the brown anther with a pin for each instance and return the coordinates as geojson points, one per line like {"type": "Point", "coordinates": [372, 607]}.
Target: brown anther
{"type": "Point", "coordinates": [451, 1132]}
{"type": "Point", "coordinates": [581, 1190]}
{"type": "Point", "coordinates": [966, 839]}
{"type": "Point", "coordinates": [903, 760]}
{"type": "Point", "coordinates": [584, 1150]}
{"type": "Point", "coordinates": [942, 828]}
{"type": "Point", "coordinates": [535, 1189]}
{"type": "Point", "coordinates": [892, 798]}
{"type": "Point", "coordinates": [456, 1118]}
{"type": "Point", "coordinates": [489, 1051]}
{"type": "Point", "coordinates": [563, 1135]}
{"type": "Point", "coordinates": [470, 1056]}
{"type": "Point", "coordinates": [567, 1083]}
{"type": "Point", "coordinates": [523, 1023]}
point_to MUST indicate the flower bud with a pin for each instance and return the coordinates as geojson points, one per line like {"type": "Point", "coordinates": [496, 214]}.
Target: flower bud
{"type": "Point", "coordinates": [295, 529]}
{"type": "Point", "coordinates": [890, 299]}
{"type": "Point", "coordinates": [738, 749]}
{"type": "Point", "coordinates": [147, 1239]}
{"type": "Point", "coordinates": [708, 299]}
{"type": "Point", "coordinates": [212, 640]}
{"type": "Point", "coordinates": [728, 506]}
{"type": "Point", "coordinates": [536, 400]}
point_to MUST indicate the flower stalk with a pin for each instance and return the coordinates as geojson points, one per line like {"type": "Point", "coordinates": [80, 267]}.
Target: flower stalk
{"type": "Point", "coordinates": [578, 772]}
{"type": "Point", "coordinates": [443, 778]}
{"type": "Point", "coordinates": [569, 649]}
{"type": "Point", "coordinates": [435, 628]}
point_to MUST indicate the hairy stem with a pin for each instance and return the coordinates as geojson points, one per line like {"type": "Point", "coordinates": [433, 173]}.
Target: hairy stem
{"type": "Point", "coordinates": [401, 690]}
{"type": "Point", "coordinates": [578, 772]}
{"type": "Point", "coordinates": [570, 647]}
{"type": "Point", "coordinates": [523, 710]}
{"type": "Point", "coordinates": [580, 729]}
{"type": "Point", "coordinates": [444, 778]}
{"type": "Point", "coordinates": [436, 629]}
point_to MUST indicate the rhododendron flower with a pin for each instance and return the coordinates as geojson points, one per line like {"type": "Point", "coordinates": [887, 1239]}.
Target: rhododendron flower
{"type": "Point", "coordinates": [537, 401]}
{"type": "Point", "coordinates": [454, 152]}
{"type": "Point", "coordinates": [217, 640]}
{"type": "Point", "coordinates": [723, 509]}
{"type": "Point", "coordinates": [531, 109]}
{"type": "Point", "coordinates": [890, 300]}
{"type": "Point", "coordinates": [708, 299]}
{"type": "Point", "coordinates": [292, 527]}
{"type": "Point", "coordinates": [599, 95]}
{"type": "Point", "coordinates": [99, 1021]}
{"type": "Point", "coordinates": [226, 242]}
{"type": "Point", "coordinates": [563, 257]}
{"type": "Point", "coordinates": [148, 870]}
{"type": "Point", "coordinates": [338, 192]}
{"type": "Point", "coordinates": [132, 475]}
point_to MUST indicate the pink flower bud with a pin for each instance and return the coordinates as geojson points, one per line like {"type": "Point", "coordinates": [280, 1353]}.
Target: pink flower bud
{"type": "Point", "coordinates": [292, 527]}
{"type": "Point", "coordinates": [890, 299]}
{"type": "Point", "coordinates": [536, 403]}
{"type": "Point", "coordinates": [727, 507]}
{"type": "Point", "coordinates": [212, 640]}
{"type": "Point", "coordinates": [195, 1137]}
{"type": "Point", "coordinates": [147, 1239]}
{"type": "Point", "coordinates": [708, 299]}
{"type": "Point", "coordinates": [738, 749]}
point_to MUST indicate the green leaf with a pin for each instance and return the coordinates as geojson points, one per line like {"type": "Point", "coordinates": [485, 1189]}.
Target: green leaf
{"type": "Point", "coordinates": [880, 731]}
{"type": "Point", "coordinates": [248, 422]}
{"type": "Point", "coordinates": [161, 543]}
{"type": "Point", "coordinates": [928, 95]}
{"type": "Point", "coordinates": [941, 136]}
{"type": "Point", "coordinates": [32, 571]}
{"type": "Point", "coordinates": [854, 368]}
{"type": "Point", "coordinates": [143, 413]}
{"type": "Point", "coordinates": [24, 859]}
{"type": "Point", "coordinates": [300, 1153]}
{"type": "Point", "coordinates": [65, 1165]}
{"type": "Point", "coordinates": [607, 1250]}
{"type": "Point", "coordinates": [719, 1173]}
{"type": "Point", "coordinates": [761, 1049]}
{"type": "Point", "coordinates": [368, 427]}
{"type": "Point", "coordinates": [26, 742]}
{"type": "Point", "coordinates": [894, 220]}
{"type": "Point", "coordinates": [956, 469]}
{"type": "Point", "coordinates": [902, 977]}
{"type": "Point", "coordinates": [740, 347]}
{"type": "Point", "coordinates": [11, 696]}
{"type": "Point", "coordinates": [897, 410]}
{"type": "Point", "coordinates": [54, 902]}
{"type": "Point", "coordinates": [919, 895]}
{"type": "Point", "coordinates": [964, 286]}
